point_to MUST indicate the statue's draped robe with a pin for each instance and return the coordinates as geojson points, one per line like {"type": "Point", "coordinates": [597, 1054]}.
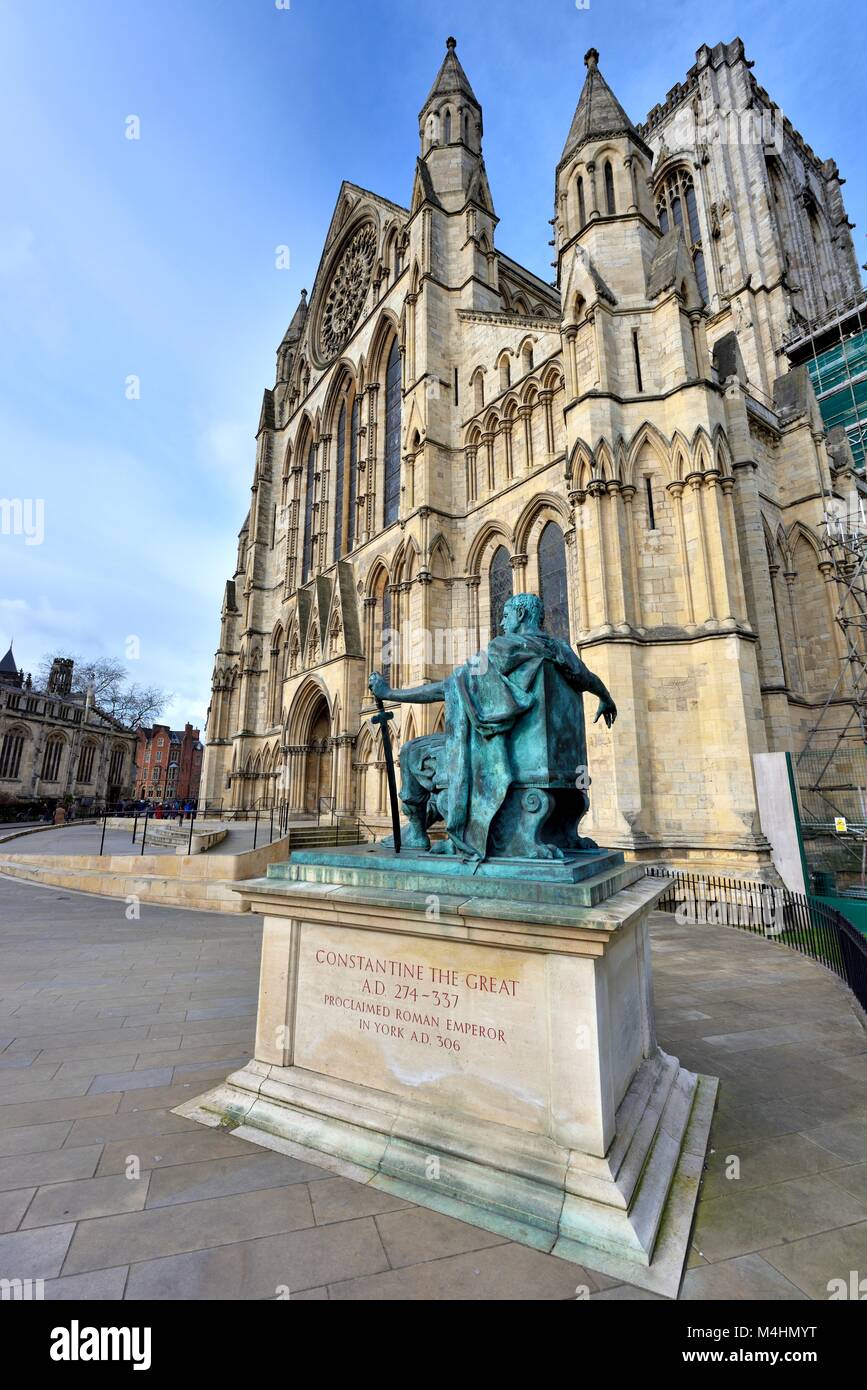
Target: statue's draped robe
{"type": "Point", "coordinates": [485, 700]}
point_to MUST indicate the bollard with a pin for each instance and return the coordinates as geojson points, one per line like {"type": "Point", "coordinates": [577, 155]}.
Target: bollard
{"type": "Point", "coordinates": [102, 838]}
{"type": "Point", "coordinates": [144, 832]}
{"type": "Point", "coordinates": [190, 842]}
{"type": "Point", "coordinates": [135, 827]}
{"type": "Point", "coordinates": [256, 829]}
{"type": "Point", "coordinates": [271, 830]}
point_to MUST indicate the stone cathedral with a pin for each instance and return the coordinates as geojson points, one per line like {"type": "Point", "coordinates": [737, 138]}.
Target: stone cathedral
{"type": "Point", "coordinates": [628, 441]}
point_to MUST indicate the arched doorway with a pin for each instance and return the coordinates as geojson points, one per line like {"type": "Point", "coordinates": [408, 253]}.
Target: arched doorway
{"type": "Point", "coordinates": [317, 775]}
{"type": "Point", "coordinates": [308, 741]}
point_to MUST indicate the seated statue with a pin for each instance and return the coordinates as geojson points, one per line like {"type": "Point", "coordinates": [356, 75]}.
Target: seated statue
{"type": "Point", "coordinates": [509, 776]}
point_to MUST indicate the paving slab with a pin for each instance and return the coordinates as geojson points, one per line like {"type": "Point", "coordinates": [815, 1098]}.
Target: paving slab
{"type": "Point", "coordinates": [75, 1201]}
{"type": "Point", "coordinates": [187, 1226]}
{"type": "Point", "coordinates": [268, 1268]}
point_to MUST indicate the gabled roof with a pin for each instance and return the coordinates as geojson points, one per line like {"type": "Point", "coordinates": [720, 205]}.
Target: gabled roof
{"type": "Point", "coordinates": [451, 80]}
{"type": "Point", "coordinates": [7, 665]}
{"type": "Point", "coordinates": [598, 112]}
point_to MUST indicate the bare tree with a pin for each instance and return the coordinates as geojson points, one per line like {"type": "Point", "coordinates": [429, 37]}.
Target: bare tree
{"type": "Point", "coordinates": [113, 691]}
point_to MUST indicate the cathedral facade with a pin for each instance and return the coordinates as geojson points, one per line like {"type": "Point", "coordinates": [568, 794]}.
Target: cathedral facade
{"type": "Point", "coordinates": [446, 428]}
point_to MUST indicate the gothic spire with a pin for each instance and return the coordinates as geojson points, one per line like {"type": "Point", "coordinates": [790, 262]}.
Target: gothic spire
{"type": "Point", "coordinates": [598, 113]}
{"type": "Point", "coordinates": [451, 80]}
{"type": "Point", "coordinates": [296, 327]}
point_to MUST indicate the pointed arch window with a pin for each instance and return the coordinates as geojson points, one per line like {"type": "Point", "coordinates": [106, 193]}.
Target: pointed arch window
{"type": "Point", "coordinates": [391, 482]}
{"type": "Point", "coordinates": [608, 175]}
{"type": "Point", "coordinates": [382, 637]}
{"type": "Point", "coordinates": [677, 206]}
{"type": "Point", "coordinates": [85, 763]}
{"type": "Point", "coordinates": [387, 634]}
{"type": "Point", "coordinates": [499, 586]}
{"type": "Point", "coordinates": [700, 273]}
{"type": "Point", "coordinates": [353, 476]}
{"type": "Point", "coordinates": [115, 767]}
{"type": "Point", "coordinates": [582, 212]}
{"type": "Point", "coordinates": [553, 589]}
{"type": "Point", "coordinates": [10, 754]}
{"type": "Point", "coordinates": [51, 759]}
{"type": "Point", "coordinates": [339, 481]}
{"type": "Point", "coordinates": [447, 128]}
{"type": "Point", "coordinates": [307, 552]}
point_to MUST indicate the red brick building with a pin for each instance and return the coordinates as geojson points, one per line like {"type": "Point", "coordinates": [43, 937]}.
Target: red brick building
{"type": "Point", "coordinates": [168, 763]}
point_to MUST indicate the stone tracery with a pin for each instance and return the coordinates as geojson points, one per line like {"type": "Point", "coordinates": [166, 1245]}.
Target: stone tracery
{"type": "Point", "coordinates": [347, 290]}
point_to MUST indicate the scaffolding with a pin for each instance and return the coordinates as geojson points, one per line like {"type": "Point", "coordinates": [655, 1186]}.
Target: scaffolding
{"type": "Point", "coordinates": [831, 769]}
{"type": "Point", "coordinates": [834, 349]}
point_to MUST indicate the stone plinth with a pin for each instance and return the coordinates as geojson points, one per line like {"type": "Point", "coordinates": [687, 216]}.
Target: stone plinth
{"type": "Point", "coordinates": [478, 1043]}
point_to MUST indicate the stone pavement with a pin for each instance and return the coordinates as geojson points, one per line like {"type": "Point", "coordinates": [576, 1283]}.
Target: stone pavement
{"type": "Point", "coordinates": [81, 839]}
{"type": "Point", "coordinates": [106, 1024]}
{"type": "Point", "coordinates": [85, 839]}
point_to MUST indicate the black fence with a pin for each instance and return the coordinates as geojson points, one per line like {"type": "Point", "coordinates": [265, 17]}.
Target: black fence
{"type": "Point", "coordinates": [800, 922]}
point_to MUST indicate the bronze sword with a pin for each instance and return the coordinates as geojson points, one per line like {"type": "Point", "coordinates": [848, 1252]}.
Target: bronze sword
{"type": "Point", "coordinates": [381, 719]}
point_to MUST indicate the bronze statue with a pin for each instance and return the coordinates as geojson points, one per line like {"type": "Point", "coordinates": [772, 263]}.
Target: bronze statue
{"type": "Point", "coordinates": [509, 775]}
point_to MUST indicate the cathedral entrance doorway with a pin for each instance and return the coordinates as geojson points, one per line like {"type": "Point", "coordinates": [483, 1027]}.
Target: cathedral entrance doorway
{"type": "Point", "coordinates": [317, 779]}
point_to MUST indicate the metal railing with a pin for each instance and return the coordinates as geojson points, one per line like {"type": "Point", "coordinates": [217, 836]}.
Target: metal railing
{"type": "Point", "coordinates": [799, 921]}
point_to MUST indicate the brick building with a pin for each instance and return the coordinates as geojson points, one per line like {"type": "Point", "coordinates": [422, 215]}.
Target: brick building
{"type": "Point", "coordinates": [168, 763]}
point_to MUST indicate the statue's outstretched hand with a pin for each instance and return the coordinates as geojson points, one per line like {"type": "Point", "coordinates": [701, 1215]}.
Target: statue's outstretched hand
{"type": "Point", "coordinates": [378, 686]}
{"type": "Point", "coordinates": [608, 711]}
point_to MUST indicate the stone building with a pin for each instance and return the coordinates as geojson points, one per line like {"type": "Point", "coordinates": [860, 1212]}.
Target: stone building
{"type": "Point", "coordinates": [56, 745]}
{"type": "Point", "coordinates": [168, 763]}
{"type": "Point", "coordinates": [630, 441]}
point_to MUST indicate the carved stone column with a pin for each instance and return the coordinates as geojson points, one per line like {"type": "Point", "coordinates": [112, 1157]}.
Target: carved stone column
{"type": "Point", "coordinates": [571, 336]}
{"type": "Point", "coordinates": [546, 397]}
{"type": "Point", "coordinates": [619, 577]}
{"type": "Point", "coordinates": [525, 413]}
{"type": "Point", "coordinates": [596, 489]}
{"type": "Point", "coordinates": [826, 569]}
{"type": "Point", "coordinates": [594, 201]}
{"type": "Point", "coordinates": [371, 519]}
{"type": "Point", "coordinates": [292, 559]}
{"type": "Point", "coordinates": [705, 609]}
{"type": "Point", "coordinates": [727, 486]}
{"type": "Point", "coordinates": [675, 491]}
{"type": "Point", "coordinates": [472, 582]}
{"type": "Point", "coordinates": [343, 745]}
{"type": "Point", "coordinates": [627, 492]}
{"type": "Point", "coordinates": [506, 432]}
{"type": "Point", "coordinates": [488, 438]}
{"type": "Point", "coordinates": [790, 576]}
{"type": "Point", "coordinates": [629, 166]}
{"type": "Point", "coordinates": [369, 606]}
{"type": "Point", "coordinates": [722, 564]}
{"type": "Point", "coordinates": [580, 515]}
{"type": "Point", "coordinates": [519, 572]}
{"type": "Point", "coordinates": [472, 482]}
{"type": "Point", "coordinates": [323, 461]}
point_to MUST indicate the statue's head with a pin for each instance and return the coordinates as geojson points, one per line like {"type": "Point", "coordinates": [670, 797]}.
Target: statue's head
{"type": "Point", "coordinates": [523, 613]}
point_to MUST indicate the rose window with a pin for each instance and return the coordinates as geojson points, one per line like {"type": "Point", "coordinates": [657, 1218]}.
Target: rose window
{"type": "Point", "coordinates": [348, 290]}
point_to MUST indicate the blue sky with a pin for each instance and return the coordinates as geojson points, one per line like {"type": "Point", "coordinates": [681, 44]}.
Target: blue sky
{"type": "Point", "coordinates": [156, 257]}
